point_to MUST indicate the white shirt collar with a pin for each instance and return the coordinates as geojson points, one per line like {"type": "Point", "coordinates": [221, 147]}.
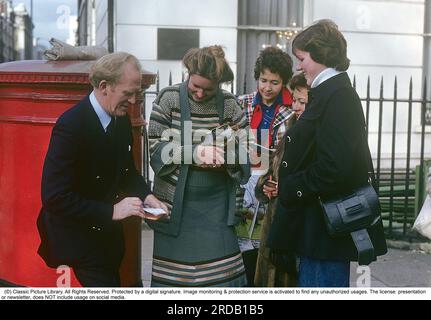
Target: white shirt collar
{"type": "Point", "coordinates": [104, 117]}
{"type": "Point", "coordinates": [326, 74]}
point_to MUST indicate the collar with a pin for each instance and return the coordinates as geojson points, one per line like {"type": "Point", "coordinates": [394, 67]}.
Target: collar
{"type": "Point", "coordinates": [270, 108]}
{"type": "Point", "coordinates": [284, 98]}
{"type": "Point", "coordinates": [326, 74]}
{"type": "Point", "coordinates": [104, 117]}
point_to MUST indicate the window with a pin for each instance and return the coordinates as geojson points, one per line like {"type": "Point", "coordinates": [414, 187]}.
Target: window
{"type": "Point", "coordinates": [172, 44]}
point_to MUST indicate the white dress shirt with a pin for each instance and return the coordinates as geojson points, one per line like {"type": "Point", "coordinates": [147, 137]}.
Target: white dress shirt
{"type": "Point", "coordinates": [104, 117]}
{"type": "Point", "coordinates": [326, 74]}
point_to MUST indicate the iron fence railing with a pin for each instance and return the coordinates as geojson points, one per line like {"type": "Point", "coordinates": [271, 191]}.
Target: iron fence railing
{"type": "Point", "coordinates": [401, 189]}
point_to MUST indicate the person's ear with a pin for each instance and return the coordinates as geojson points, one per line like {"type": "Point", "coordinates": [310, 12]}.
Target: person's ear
{"type": "Point", "coordinates": [103, 87]}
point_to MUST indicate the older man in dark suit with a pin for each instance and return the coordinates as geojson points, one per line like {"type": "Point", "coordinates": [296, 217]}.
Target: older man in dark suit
{"type": "Point", "coordinates": [89, 180]}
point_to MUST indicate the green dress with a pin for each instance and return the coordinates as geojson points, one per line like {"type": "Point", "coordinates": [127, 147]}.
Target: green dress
{"type": "Point", "coordinates": [206, 252]}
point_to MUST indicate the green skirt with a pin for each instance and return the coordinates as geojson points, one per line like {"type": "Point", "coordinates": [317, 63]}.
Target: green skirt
{"type": "Point", "coordinates": [206, 251]}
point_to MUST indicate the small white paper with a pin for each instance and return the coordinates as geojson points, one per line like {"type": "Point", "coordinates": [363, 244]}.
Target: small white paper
{"type": "Point", "coordinates": [262, 147]}
{"type": "Point", "coordinates": [227, 133]}
{"type": "Point", "coordinates": [155, 211]}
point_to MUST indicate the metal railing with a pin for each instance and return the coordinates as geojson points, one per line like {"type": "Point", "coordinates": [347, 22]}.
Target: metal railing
{"type": "Point", "coordinates": [401, 189]}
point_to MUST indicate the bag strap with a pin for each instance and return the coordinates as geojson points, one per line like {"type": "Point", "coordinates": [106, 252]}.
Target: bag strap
{"type": "Point", "coordinates": [369, 160]}
{"type": "Point", "coordinates": [361, 238]}
{"type": "Point", "coordinates": [184, 108]}
{"type": "Point", "coordinates": [364, 246]}
{"type": "Point", "coordinates": [185, 116]}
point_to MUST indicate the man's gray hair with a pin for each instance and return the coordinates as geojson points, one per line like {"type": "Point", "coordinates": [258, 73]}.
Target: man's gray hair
{"type": "Point", "coordinates": [110, 68]}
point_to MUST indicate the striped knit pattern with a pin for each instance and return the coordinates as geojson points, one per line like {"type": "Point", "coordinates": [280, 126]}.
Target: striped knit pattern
{"type": "Point", "coordinates": [166, 115]}
{"type": "Point", "coordinates": [200, 274]}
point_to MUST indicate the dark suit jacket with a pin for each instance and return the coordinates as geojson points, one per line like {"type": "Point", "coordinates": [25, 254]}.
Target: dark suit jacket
{"type": "Point", "coordinates": [324, 156]}
{"type": "Point", "coordinates": [84, 174]}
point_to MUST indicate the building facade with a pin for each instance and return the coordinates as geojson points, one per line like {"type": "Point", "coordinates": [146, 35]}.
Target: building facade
{"type": "Point", "coordinates": [23, 33]}
{"type": "Point", "coordinates": [387, 39]}
{"type": "Point", "coordinates": [159, 32]}
{"type": "Point", "coordinates": [7, 42]}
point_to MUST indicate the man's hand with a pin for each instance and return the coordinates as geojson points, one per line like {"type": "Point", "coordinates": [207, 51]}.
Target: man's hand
{"type": "Point", "coordinates": [128, 207]}
{"type": "Point", "coordinates": [152, 202]}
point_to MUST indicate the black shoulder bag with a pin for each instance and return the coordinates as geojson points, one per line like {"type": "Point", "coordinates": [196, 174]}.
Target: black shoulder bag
{"type": "Point", "coordinates": [353, 213]}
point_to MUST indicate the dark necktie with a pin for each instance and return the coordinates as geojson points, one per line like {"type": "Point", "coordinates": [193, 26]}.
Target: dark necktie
{"type": "Point", "coordinates": [110, 129]}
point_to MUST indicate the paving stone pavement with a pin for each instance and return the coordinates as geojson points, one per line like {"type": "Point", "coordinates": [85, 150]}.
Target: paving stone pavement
{"type": "Point", "coordinates": [398, 268]}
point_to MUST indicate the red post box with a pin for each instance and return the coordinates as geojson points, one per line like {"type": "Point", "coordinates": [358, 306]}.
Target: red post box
{"type": "Point", "coordinates": [33, 94]}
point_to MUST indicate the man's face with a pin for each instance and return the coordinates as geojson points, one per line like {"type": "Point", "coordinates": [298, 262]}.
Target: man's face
{"type": "Point", "coordinates": [201, 89]}
{"type": "Point", "coordinates": [123, 93]}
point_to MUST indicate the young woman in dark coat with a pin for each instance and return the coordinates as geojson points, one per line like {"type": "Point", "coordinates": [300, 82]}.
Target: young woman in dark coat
{"type": "Point", "coordinates": [323, 157]}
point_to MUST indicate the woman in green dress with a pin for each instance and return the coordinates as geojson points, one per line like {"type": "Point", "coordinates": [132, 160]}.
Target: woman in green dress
{"type": "Point", "coordinates": [196, 245]}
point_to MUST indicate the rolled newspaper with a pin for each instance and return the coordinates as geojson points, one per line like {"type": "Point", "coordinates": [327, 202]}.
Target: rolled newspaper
{"type": "Point", "coordinates": [64, 51]}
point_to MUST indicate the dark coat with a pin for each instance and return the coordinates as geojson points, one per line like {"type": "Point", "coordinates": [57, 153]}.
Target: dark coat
{"type": "Point", "coordinates": [84, 174]}
{"type": "Point", "coordinates": [323, 157]}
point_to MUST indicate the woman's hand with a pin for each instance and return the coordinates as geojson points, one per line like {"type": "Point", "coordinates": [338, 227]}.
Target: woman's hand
{"type": "Point", "coordinates": [209, 156]}
{"type": "Point", "coordinates": [270, 188]}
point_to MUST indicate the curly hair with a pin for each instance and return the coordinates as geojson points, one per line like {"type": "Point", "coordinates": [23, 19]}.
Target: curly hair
{"type": "Point", "coordinates": [208, 62]}
{"type": "Point", "coordinates": [325, 43]}
{"type": "Point", "coordinates": [275, 60]}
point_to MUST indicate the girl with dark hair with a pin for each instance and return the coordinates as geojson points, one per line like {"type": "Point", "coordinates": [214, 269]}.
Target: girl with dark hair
{"type": "Point", "coordinates": [267, 109]}
{"type": "Point", "coordinates": [268, 112]}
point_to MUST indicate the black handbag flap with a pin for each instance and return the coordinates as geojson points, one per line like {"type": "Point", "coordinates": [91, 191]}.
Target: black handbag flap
{"type": "Point", "coordinates": [358, 210]}
{"type": "Point", "coordinates": [353, 208]}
